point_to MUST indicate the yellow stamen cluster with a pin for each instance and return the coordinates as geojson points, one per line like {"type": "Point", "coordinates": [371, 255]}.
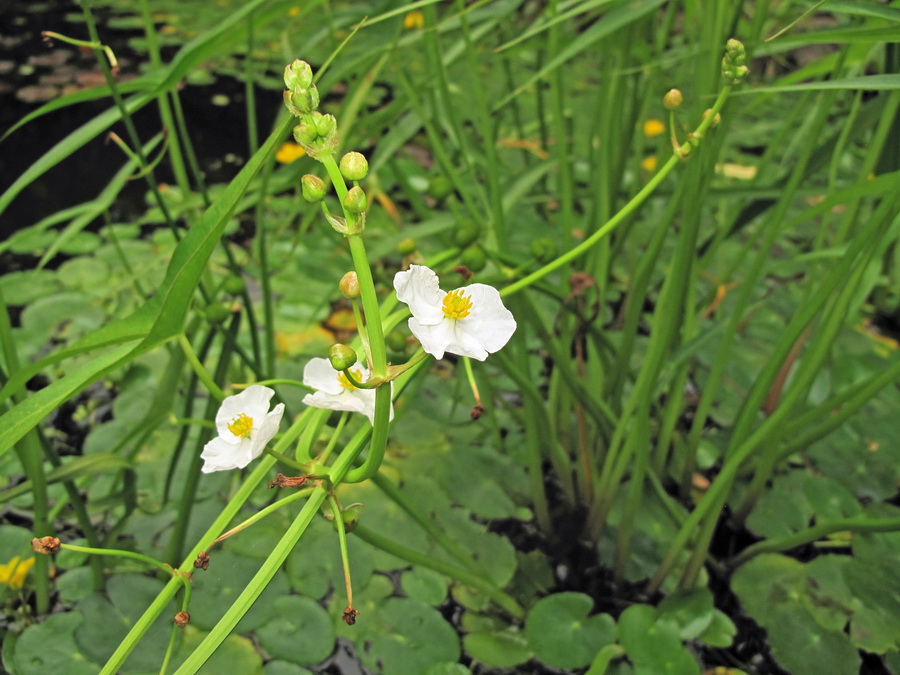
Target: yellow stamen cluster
{"type": "Point", "coordinates": [345, 383]}
{"type": "Point", "coordinates": [457, 304]}
{"type": "Point", "coordinates": [241, 425]}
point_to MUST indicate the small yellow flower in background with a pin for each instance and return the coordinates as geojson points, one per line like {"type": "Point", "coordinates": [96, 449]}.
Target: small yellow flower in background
{"type": "Point", "coordinates": [294, 11]}
{"type": "Point", "coordinates": [289, 152]}
{"type": "Point", "coordinates": [414, 19]}
{"type": "Point", "coordinates": [649, 163]}
{"type": "Point", "coordinates": [653, 128]}
{"type": "Point", "coordinates": [13, 573]}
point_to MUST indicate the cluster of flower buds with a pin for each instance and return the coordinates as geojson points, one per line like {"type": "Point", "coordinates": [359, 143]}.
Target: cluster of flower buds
{"type": "Point", "coordinates": [317, 134]}
{"type": "Point", "coordinates": [734, 67]}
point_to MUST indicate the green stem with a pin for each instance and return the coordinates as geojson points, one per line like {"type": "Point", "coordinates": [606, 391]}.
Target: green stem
{"type": "Point", "coordinates": [623, 213]}
{"type": "Point", "coordinates": [214, 389]}
{"type": "Point", "coordinates": [854, 524]}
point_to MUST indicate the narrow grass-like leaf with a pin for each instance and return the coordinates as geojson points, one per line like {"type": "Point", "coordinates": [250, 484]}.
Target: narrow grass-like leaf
{"type": "Point", "coordinates": [866, 83]}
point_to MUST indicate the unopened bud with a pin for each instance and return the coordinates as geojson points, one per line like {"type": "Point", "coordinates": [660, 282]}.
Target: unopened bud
{"type": "Point", "coordinates": [395, 341]}
{"type": "Point", "coordinates": [715, 120]}
{"type": "Point", "coordinates": [474, 258]}
{"type": "Point", "coordinates": [324, 124]}
{"type": "Point", "coordinates": [312, 188]}
{"type": "Point", "coordinates": [354, 166]}
{"type": "Point", "coordinates": [234, 285]}
{"type": "Point", "coordinates": [544, 249]}
{"type": "Point", "coordinates": [216, 313]}
{"type": "Point", "coordinates": [351, 516]}
{"type": "Point", "coordinates": [694, 138]}
{"type": "Point", "coordinates": [439, 187]}
{"type": "Point", "coordinates": [350, 285]}
{"type": "Point", "coordinates": [355, 200]}
{"type": "Point", "coordinates": [673, 99]}
{"type": "Point", "coordinates": [305, 134]}
{"type": "Point", "coordinates": [341, 356]}
{"type": "Point", "coordinates": [182, 619]}
{"type": "Point", "coordinates": [301, 100]}
{"type": "Point", "coordinates": [467, 231]}
{"type": "Point", "coordinates": [298, 74]}
{"type": "Point", "coordinates": [407, 246]}
{"type": "Point", "coordinates": [45, 545]}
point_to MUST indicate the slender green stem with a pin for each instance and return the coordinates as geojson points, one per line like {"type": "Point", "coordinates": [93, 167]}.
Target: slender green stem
{"type": "Point", "coordinates": [198, 368]}
{"type": "Point", "coordinates": [338, 520]}
{"type": "Point", "coordinates": [620, 217]}
{"type": "Point", "coordinates": [854, 524]}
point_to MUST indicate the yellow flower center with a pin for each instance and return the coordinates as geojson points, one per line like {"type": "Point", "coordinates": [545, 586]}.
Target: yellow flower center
{"type": "Point", "coordinates": [241, 425]}
{"type": "Point", "coordinates": [456, 304]}
{"type": "Point", "coordinates": [345, 383]}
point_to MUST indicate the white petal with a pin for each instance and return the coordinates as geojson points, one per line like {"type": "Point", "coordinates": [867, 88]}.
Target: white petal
{"type": "Point", "coordinates": [253, 402]}
{"type": "Point", "coordinates": [418, 287]}
{"type": "Point", "coordinates": [319, 374]}
{"type": "Point", "coordinates": [268, 427]}
{"type": "Point", "coordinates": [490, 323]}
{"type": "Point", "coordinates": [219, 455]}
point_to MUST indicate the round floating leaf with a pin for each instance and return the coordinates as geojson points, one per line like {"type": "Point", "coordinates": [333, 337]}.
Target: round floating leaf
{"type": "Point", "coordinates": [562, 634]}
{"type": "Point", "coordinates": [503, 649]}
{"type": "Point", "coordinates": [424, 585]}
{"type": "Point", "coordinates": [215, 589]}
{"type": "Point", "coordinates": [803, 647]}
{"type": "Point", "coordinates": [783, 509]}
{"type": "Point", "coordinates": [50, 647]}
{"type": "Point", "coordinates": [22, 288]}
{"type": "Point", "coordinates": [830, 499]}
{"type": "Point", "coordinates": [302, 632]}
{"type": "Point", "coordinates": [418, 638]}
{"type": "Point", "coordinates": [653, 644]}
{"type": "Point", "coordinates": [284, 668]}
{"type": "Point", "coordinates": [447, 669]}
{"type": "Point", "coordinates": [235, 655]}
{"type": "Point", "coordinates": [691, 609]}
{"type": "Point", "coordinates": [74, 584]}
{"type": "Point", "coordinates": [107, 621]}
{"type": "Point", "coordinates": [720, 632]}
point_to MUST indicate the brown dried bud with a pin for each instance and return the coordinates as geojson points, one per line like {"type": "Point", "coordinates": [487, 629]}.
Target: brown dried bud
{"type": "Point", "coordinates": [349, 616]}
{"type": "Point", "coordinates": [202, 561]}
{"type": "Point", "coordinates": [477, 412]}
{"type": "Point", "coordinates": [287, 481]}
{"type": "Point", "coordinates": [182, 619]}
{"type": "Point", "coordinates": [463, 271]}
{"type": "Point", "coordinates": [45, 545]}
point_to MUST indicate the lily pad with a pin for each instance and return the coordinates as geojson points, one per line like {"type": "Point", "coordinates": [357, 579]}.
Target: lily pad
{"type": "Point", "coordinates": [561, 632]}
{"type": "Point", "coordinates": [50, 647]}
{"type": "Point", "coordinates": [301, 632]}
{"type": "Point", "coordinates": [652, 643]}
{"type": "Point", "coordinates": [418, 638]}
{"type": "Point", "coordinates": [503, 649]}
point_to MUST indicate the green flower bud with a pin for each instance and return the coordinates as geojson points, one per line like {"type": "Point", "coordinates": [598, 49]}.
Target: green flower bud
{"type": "Point", "coordinates": [324, 124]}
{"type": "Point", "coordinates": [733, 68]}
{"type": "Point", "coordinates": [395, 341]}
{"type": "Point", "coordinates": [474, 258]}
{"type": "Point", "coordinates": [715, 120]}
{"type": "Point", "coordinates": [341, 357]}
{"type": "Point", "coordinates": [300, 101]}
{"type": "Point", "coordinates": [407, 246]}
{"type": "Point", "coordinates": [305, 134]}
{"type": "Point", "coordinates": [694, 139]}
{"type": "Point", "coordinates": [234, 285]}
{"type": "Point", "coordinates": [354, 166]}
{"type": "Point", "coordinates": [544, 249]}
{"type": "Point", "coordinates": [312, 188]}
{"type": "Point", "coordinates": [298, 75]}
{"type": "Point", "coordinates": [355, 201]}
{"type": "Point", "coordinates": [350, 285]}
{"type": "Point", "coordinates": [440, 188]}
{"type": "Point", "coordinates": [216, 313]}
{"type": "Point", "coordinates": [467, 231]}
{"type": "Point", "coordinates": [351, 516]}
{"type": "Point", "coordinates": [673, 99]}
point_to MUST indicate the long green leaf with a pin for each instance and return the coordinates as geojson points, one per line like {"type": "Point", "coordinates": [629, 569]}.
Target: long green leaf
{"type": "Point", "coordinates": [160, 320]}
{"type": "Point", "coordinates": [866, 83]}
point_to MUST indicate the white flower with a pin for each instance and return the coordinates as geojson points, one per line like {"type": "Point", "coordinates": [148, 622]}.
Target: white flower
{"type": "Point", "coordinates": [245, 425]}
{"type": "Point", "coordinates": [335, 391]}
{"type": "Point", "coordinates": [469, 321]}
